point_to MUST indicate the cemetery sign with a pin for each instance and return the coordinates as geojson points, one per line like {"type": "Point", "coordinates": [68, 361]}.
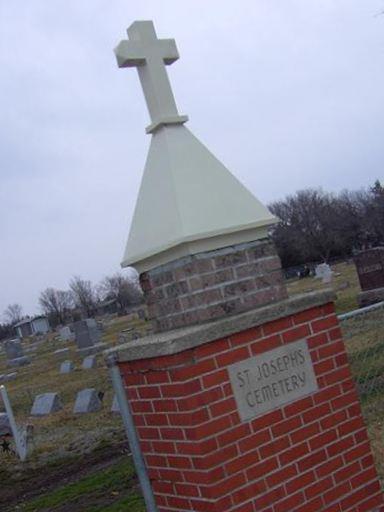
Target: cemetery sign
{"type": "Point", "coordinates": [270, 380]}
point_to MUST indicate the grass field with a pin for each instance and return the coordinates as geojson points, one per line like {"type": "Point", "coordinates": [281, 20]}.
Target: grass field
{"type": "Point", "coordinates": [83, 460]}
{"type": "Point", "coordinates": [94, 493]}
{"type": "Point", "coordinates": [64, 433]}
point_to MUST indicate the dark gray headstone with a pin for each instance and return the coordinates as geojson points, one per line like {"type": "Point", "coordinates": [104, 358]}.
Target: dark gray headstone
{"type": "Point", "coordinates": [87, 400]}
{"type": "Point", "coordinates": [370, 268]}
{"type": "Point", "coordinates": [66, 367]}
{"type": "Point", "coordinates": [47, 403]}
{"type": "Point", "coordinates": [87, 333]}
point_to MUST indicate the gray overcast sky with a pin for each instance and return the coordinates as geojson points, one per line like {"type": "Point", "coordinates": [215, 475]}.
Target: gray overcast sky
{"type": "Point", "coordinates": [287, 93]}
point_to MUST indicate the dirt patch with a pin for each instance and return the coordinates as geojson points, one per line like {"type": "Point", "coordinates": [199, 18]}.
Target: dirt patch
{"type": "Point", "coordinates": [36, 480]}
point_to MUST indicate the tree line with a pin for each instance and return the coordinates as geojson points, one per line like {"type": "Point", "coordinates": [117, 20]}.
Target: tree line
{"type": "Point", "coordinates": [320, 226]}
{"type": "Point", "coordinates": [81, 299]}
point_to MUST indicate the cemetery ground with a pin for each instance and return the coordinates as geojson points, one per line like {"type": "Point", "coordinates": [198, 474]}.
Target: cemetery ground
{"type": "Point", "coordinates": [81, 462]}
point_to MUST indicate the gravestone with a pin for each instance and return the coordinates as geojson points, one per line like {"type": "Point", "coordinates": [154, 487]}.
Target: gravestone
{"type": "Point", "coordinates": [66, 334]}
{"type": "Point", "coordinates": [87, 336]}
{"type": "Point", "coordinates": [324, 272]}
{"type": "Point", "coordinates": [5, 427]}
{"type": "Point", "coordinates": [15, 353]}
{"type": "Point", "coordinates": [66, 367]}
{"type": "Point", "coordinates": [89, 362]}
{"type": "Point", "coordinates": [46, 403]}
{"type": "Point", "coordinates": [87, 400]}
{"type": "Point", "coordinates": [115, 408]}
{"type": "Point", "coordinates": [370, 270]}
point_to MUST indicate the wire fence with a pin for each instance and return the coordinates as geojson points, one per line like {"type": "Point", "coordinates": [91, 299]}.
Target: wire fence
{"type": "Point", "coordinates": [364, 341]}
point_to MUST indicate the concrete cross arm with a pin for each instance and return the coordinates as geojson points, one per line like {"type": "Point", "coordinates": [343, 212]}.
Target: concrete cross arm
{"type": "Point", "coordinates": [132, 53]}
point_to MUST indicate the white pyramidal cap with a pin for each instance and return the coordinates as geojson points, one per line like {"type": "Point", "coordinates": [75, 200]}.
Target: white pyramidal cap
{"type": "Point", "coordinates": [188, 201]}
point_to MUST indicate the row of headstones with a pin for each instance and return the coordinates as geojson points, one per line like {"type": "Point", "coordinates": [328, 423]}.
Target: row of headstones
{"type": "Point", "coordinates": [87, 400]}
{"type": "Point", "coordinates": [88, 363]}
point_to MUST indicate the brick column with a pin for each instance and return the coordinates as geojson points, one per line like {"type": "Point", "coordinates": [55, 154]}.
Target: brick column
{"type": "Point", "coordinates": [307, 455]}
{"type": "Point", "coordinates": [209, 285]}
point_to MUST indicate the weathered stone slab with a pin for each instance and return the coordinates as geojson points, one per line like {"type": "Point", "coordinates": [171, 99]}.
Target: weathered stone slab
{"type": "Point", "coordinates": [89, 362]}
{"type": "Point", "coordinates": [46, 403]}
{"type": "Point", "coordinates": [93, 349]}
{"type": "Point", "coordinates": [87, 400]}
{"type": "Point", "coordinates": [9, 376]}
{"type": "Point", "coordinates": [61, 353]}
{"type": "Point", "coordinates": [272, 379]}
{"type": "Point", "coordinates": [66, 367]}
{"type": "Point", "coordinates": [13, 349]}
{"type": "Point", "coordinates": [370, 297]}
{"type": "Point", "coordinates": [115, 406]}
{"type": "Point", "coordinates": [66, 334]}
{"type": "Point", "coordinates": [19, 361]}
{"type": "Point", "coordinates": [5, 427]}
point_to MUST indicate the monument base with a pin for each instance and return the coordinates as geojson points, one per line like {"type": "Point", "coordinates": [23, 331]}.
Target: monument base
{"type": "Point", "coordinates": [89, 351]}
{"type": "Point", "coordinates": [256, 412]}
{"type": "Point", "coordinates": [18, 361]}
{"type": "Point", "coordinates": [370, 297]}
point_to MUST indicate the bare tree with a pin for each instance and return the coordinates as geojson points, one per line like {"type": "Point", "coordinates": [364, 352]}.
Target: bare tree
{"type": "Point", "coordinates": [13, 313]}
{"type": "Point", "coordinates": [315, 225]}
{"type": "Point", "coordinates": [56, 304]}
{"type": "Point", "coordinates": [84, 295]}
{"type": "Point", "coordinates": [125, 290]}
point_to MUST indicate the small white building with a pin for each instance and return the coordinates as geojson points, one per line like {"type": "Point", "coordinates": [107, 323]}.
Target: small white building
{"type": "Point", "coordinates": [30, 326]}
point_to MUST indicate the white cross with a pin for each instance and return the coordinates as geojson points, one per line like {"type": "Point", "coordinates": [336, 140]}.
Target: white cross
{"type": "Point", "coordinates": [150, 55]}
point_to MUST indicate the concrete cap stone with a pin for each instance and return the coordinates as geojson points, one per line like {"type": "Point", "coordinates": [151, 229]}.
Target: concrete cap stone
{"type": "Point", "coordinates": [173, 342]}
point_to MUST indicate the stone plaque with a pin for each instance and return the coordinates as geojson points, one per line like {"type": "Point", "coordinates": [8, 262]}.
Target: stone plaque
{"type": "Point", "coordinates": [273, 379]}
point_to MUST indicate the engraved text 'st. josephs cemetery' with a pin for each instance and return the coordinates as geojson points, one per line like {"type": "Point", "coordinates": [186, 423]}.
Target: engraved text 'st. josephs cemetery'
{"type": "Point", "coordinates": [272, 379]}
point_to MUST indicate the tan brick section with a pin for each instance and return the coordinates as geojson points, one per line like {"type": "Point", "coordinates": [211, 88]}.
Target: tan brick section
{"type": "Point", "coordinates": [210, 285]}
{"type": "Point", "coordinates": [312, 455]}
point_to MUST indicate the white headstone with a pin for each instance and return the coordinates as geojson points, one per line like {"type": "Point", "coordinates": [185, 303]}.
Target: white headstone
{"type": "Point", "coordinates": [66, 367]}
{"type": "Point", "coordinates": [324, 272]}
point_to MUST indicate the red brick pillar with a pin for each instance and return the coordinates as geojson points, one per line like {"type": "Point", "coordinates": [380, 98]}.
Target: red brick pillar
{"type": "Point", "coordinates": [279, 447]}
